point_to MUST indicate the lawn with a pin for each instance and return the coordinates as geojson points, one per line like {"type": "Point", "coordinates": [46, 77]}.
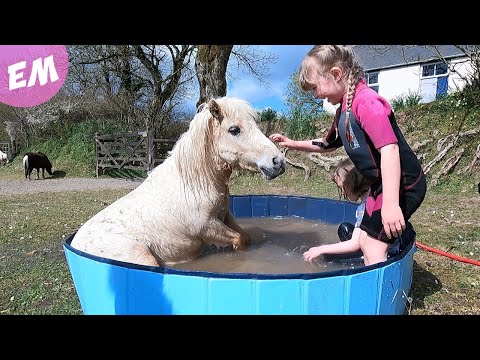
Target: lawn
{"type": "Point", "coordinates": [36, 280]}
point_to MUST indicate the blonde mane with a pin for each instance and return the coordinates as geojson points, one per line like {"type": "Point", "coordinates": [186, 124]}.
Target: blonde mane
{"type": "Point", "coordinates": [184, 202]}
{"type": "Point", "coordinates": [196, 155]}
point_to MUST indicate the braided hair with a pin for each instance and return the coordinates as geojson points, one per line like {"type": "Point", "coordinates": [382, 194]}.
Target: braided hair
{"type": "Point", "coordinates": [320, 59]}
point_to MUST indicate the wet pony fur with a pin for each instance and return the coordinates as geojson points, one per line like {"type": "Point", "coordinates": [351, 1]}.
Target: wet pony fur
{"type": "Point", "coordinates": [183, 203]}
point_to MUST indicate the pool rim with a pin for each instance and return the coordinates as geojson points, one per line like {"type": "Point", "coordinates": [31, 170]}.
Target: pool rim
{"type": "Point", "coordinates": [239, 275]}
{"type": "Point", "coordinates": [233, 275]}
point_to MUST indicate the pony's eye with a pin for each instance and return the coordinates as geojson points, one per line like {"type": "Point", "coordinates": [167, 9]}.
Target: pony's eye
{"type": "Point", "coordinates": [234, 130]}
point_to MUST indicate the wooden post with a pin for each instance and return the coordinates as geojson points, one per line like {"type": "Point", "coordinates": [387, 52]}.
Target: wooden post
{"type": "Point", "coordinates": [14, 150]}
{"type": "Point", "coordinates": [96, 153]}
{"type": "Point", "coordinates": [151, 149]}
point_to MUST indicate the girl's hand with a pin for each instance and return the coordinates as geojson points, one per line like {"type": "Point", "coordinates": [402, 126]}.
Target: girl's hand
{"type": "Point", "coordinates": [312, 253]}
{"type": "Point", "coordinates": [282, 140]}
{"type": "Point", "coordinates": [393, 220]}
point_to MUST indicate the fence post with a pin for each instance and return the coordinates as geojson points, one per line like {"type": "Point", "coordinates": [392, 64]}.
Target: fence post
{"type": "Point", "coordinates": [96, 153]}
{"type": "Point", "coordinates": [14, 149]}
{"type": "Point", "coordinates": [151, 149]}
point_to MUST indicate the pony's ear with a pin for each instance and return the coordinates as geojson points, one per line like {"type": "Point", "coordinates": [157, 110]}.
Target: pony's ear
{"type": "Point", "coordinates": [214, 109]}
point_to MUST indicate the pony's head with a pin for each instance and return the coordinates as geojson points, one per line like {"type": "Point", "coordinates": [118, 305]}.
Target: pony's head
{"type": "Point", "coordinates": [46, 162]}
{"type": "Point", "coordinates": [237, 140]}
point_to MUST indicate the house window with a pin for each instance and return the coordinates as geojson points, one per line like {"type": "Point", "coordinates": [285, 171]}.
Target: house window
{"type": "Point", "coordinates": [372, 80]}
{"type": "Point", "coordinates": [434, 69]}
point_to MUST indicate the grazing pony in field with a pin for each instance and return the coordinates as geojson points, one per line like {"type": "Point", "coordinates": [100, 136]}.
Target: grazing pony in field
{"type": "Point", "coordinates": [3, 158]}
{"type": "Point", "coordinates": [37, 161]}
{"type": "Point", "coordinates": [183, 203]}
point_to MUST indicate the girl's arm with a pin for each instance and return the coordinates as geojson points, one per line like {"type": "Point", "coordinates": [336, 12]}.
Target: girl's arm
{"type": "Point", "coordinates": [301, 145]}
{"type": "Point", "coordinates": [392, 216]}
{"type": "Point", "coordinates": [343, 247]}
{"type": "Point", "coordinates": [325, 144]}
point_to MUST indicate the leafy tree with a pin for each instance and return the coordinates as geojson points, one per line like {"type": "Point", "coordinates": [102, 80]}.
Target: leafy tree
{"type": "Point", "coordinates": [268, 114]}
{"type": "Point", "coordinates": [298, 100]}
{"type": "Point", "coordinates": [143, 83]}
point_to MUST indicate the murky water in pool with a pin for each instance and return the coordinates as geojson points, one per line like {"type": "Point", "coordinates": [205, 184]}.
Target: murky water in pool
{"type": "Point", "coordinates": [277, 246]}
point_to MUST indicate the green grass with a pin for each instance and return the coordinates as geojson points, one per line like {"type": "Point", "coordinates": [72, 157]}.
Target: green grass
{"type": "Point", "coordinates": [35, 277]}
{"type": "Point", "coordinates": [69, 146]}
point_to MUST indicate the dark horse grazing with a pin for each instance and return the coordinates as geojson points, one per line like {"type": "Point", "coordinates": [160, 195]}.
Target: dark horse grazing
{"type": "Point", "coordinates": [37, 161]}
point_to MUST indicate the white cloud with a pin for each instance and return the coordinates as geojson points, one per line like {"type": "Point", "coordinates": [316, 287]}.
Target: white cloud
{"type": "Point", "coordinates": [248, 89]}
{"type": "Point", "coordinates": [272, 95]}
{"type": "Point", "coordinates": [288, 61]}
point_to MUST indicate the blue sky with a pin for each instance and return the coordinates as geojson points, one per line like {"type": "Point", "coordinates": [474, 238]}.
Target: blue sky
{"type": "Point", "coordinates": [260, 96]}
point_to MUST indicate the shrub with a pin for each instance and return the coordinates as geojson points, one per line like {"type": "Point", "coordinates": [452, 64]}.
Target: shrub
{"type": "Point", "coordinates": [405, 101]}
{"type": "Point", "coordinates": [300, 126]}
{"type": "Point", "coordinates": [268, 114]}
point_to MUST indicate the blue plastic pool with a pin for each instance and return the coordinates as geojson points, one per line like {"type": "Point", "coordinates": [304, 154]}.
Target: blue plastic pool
{"type": "Point", "coordinates": [107, 286]}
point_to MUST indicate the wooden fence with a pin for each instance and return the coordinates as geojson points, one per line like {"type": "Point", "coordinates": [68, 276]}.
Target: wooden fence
{"type": "Point", "coordinates": [137, 150]}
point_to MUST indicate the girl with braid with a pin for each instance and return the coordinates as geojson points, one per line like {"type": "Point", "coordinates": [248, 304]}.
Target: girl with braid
{"type": "Point", "coordinates": [365, 126]}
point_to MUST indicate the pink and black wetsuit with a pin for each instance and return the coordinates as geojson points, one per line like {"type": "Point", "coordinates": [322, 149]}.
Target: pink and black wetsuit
{"type": "Point", "coordinates": [372, 126]}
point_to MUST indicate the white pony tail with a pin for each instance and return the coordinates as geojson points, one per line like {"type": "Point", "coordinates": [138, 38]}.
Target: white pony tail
{"type": "Point", "coordinates": [25, 165]}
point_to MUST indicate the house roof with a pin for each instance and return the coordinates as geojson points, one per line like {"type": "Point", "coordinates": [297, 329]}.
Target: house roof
{"type": "Point", "coordinates": [377, 57]}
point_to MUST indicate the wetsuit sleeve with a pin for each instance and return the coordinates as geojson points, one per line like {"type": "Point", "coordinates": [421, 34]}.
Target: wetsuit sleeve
{"type": "Point", "coordinates": [332, 139]}
{"type": "Point", "coordinates": [373, 116]}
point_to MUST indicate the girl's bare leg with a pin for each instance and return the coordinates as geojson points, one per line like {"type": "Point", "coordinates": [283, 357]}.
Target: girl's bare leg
{"type": "Point", "coordinates": [374, 251]}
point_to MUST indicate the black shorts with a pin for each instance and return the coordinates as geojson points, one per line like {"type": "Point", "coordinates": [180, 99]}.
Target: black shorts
{"type": "Point", "coordinates": [409, 201]}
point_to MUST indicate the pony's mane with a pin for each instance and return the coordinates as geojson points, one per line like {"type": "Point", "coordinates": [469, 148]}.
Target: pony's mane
{"type": "Point", "coordinates": [195, 153]}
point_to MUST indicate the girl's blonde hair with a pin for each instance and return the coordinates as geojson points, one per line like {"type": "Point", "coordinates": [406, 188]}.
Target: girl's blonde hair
{"type": "Point", "coordinates": [320, 59]}
{"type": "Point", "coordinates": [353, 180]}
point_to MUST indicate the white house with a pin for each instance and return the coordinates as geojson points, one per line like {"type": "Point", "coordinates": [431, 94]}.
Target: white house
{"type": "Point", "coordinates": [394, 70]}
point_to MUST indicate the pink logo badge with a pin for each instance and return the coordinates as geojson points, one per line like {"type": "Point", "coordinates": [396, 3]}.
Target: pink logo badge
{"type": "Point", "coordinates": [31, 74]}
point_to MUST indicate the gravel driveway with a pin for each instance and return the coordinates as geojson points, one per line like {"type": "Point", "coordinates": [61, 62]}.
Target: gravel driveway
{"type": "Point", "coordinates": [64, 184]}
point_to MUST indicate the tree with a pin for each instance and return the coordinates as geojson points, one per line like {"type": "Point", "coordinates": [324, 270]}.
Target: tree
{"type": "Point", "coordinates": [298, 100]}
{"type": "Point", "coordinates": [165, 88]}
{"type": "Point", "coordinates": [211, 68]}
{"type": "Point", "coordinates": [144, 83]}
{"type": "Point", "coordinates": [212, 65]}
{"type": "Point", "coordinates": [140, 85]}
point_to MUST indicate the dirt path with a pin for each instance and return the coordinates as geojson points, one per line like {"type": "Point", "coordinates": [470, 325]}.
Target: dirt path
{"type": "Point", "coordinates": [64, 184]}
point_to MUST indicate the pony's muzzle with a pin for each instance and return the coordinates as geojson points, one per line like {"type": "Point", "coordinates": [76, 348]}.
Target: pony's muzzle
{"type": "Point", "coordinates": [277, 169]}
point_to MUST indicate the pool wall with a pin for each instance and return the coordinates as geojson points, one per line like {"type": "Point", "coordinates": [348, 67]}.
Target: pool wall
{"type": "Point", "coordinates": [107, 286]}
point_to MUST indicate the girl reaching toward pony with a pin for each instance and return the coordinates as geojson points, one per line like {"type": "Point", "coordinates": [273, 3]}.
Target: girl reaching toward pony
{"type": "Point", "coordinates": [365, 126]}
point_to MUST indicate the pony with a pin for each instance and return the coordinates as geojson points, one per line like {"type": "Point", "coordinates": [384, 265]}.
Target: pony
{"type": "Point", "coordinates": [3, 158]}
{"type": "Point", "coordinates": [37, 161]}
{"type": "Point", "coordinates": [183, 204]}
